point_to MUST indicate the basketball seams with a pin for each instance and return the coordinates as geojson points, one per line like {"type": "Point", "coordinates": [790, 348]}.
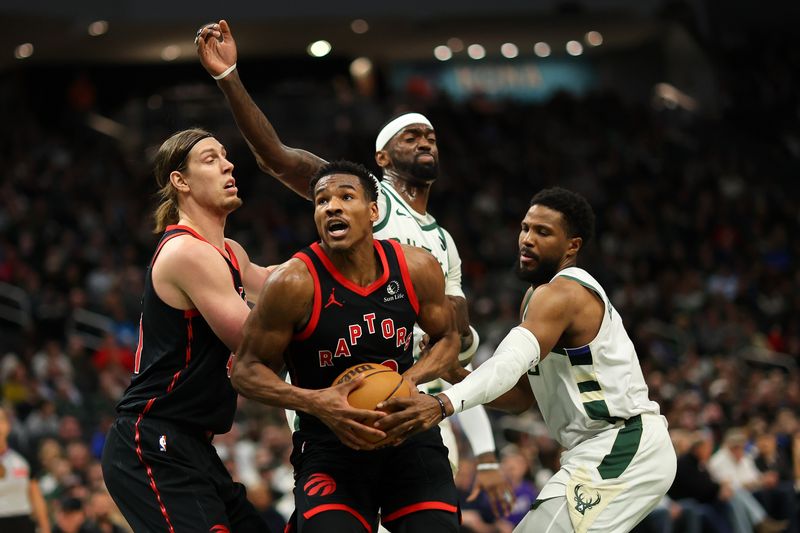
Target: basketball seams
{"type": "Point", "coordinates": [397, 387]}
{"type": "Point", "coordinates": [366, 374]}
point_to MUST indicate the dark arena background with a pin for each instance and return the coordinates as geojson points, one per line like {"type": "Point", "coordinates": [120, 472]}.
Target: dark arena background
{"type": "Point", "coordinates": [678, 120]}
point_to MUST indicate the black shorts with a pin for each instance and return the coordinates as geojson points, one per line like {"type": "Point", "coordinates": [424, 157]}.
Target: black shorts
{"type": "Point", "coordinates": [412, 481]}
{"type": "Point", "coordinates": [17, 524]}
{"type": "Point", "coordinates": [166, 478]}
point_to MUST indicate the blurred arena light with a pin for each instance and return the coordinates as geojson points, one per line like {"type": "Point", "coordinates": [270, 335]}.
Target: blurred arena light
{"type": "Point", "coordinates": [442, 52]}
{"type": "Point", "coordinates": [97, 28]}
{"type": "Point", "coordinates": [23, 51]}
{"type": "Point", "coordinates": [359, 26]}
{"type": "Point", "coordinates": [541, 49]}
{"type": "Point", "coordinates": [574, 48]}
{"type": "Point", "coordinates": [455, 44]}
{"type": "Point", "coordinates": [360, 67]}
{"type": "Point", "coordinates": [319, 48]}
{"type": "Point", "coordinates": [171, 52]}
{"type": "Point", "coordinates": [106, 126]}
{"type": "Point", "coordinates": [476, 51]}
{"type": "Point", "coordinates": [509, 50]}
{"type": "Point", "coordinates": [593, 38]}
{"type": "Point", "coordinates": [670, 97]}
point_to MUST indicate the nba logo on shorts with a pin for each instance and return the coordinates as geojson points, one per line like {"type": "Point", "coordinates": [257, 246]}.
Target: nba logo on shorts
{"type": "Point", "coordinates": [162, 443]}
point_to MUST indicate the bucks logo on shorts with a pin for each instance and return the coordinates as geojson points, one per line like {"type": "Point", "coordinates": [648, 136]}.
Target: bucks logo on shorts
{"type": "Point", "coordinates": [582, 505]}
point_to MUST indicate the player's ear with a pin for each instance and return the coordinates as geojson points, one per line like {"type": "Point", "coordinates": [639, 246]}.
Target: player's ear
{"type": "Point", "coordinates": [573, 246]}
{"type": "Point", "coordinates": [179, 180]}
{"type": "Point", "coordinates": [382, 158]}
{"type": "Point", "coordinates": [373, 212]}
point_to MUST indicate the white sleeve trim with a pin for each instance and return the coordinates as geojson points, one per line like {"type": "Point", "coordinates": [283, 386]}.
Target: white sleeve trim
{"type": "Point", "coordinates": [518, 352]}
{"type": "Point", "coordinates": [478, 430]}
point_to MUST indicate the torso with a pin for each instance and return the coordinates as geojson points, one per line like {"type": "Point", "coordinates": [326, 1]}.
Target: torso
{"type": "Point", "coordinates": [583, 389]}
{"type": "Point", "coordinates": [350, 324]}
{"type": "Point", "coordinates": [181, 370]}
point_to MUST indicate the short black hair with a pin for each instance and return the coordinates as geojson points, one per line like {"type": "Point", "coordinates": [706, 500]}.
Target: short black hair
{"type": "Point", "coordinates": [368, 180]}
{"type": "Point", "coordinates": [575, 209]}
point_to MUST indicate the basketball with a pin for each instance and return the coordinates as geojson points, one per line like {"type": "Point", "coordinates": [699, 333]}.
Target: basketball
{"type": "Point", "coordinates": [380, 383]}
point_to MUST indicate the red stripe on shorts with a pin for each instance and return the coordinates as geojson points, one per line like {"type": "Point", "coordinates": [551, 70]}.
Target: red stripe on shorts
{"type": "Point", "coordinates": [422, 506]}
{"type": "Point", "coordinates": [337, 507]}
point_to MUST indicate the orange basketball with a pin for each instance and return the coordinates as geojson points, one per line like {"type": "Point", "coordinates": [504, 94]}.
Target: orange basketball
{"type": "Point", "coordinates": [380, 383]}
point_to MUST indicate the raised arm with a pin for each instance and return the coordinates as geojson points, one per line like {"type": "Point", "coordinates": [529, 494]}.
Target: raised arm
{"type": "Point", "coordinates": [283, 307]}
{"type": "Point", "coordinates": [292, 166]}
{"type": "Point", "coordinates": [436, 316]}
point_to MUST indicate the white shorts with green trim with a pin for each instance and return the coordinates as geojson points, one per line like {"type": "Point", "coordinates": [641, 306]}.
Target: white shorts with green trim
{"type": "Point", "coordinates": [612, 480]}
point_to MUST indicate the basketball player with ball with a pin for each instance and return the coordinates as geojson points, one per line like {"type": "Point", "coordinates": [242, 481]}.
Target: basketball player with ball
{"type": "Point", "coordinates": [353, 300]}
{"type": "Point", "coordinates": [406, 149]}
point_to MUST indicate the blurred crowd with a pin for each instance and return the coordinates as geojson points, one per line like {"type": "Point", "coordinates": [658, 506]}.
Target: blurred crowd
{"type": "Point", "coordinates": [697, 246]}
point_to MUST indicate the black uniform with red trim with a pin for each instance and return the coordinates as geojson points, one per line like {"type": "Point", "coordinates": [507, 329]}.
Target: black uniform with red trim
{"type": "Point", "coordinates": [159, 464]}
{"type": "Point", "coordinates": [338, 488]}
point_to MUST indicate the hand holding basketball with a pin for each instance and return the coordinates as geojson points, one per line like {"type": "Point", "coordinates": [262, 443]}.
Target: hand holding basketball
{"type": "Point", "coordinates": [353, 425]}
{"type": "Point", "coordinates": [377, 383]}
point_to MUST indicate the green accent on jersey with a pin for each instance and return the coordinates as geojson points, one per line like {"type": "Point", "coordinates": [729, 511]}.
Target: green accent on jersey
{"type": "Point", "coordinates": [382, 223]}
{"type": "Point", "coordinates": [598, 410]}
{"type": "Point", "coordinates": [528, 297]}
{"type": "Point", "coordinates": [625, 446]}
{"type": "Point", "coordinates": [296, 423]}
{"type": "Point", "coordinates": [582, 359]}
{"type": "Point", "coordinates": [432, 226]}
{"type": "Point", "coordinates": [588, 386]}
{"type": "Point", "coordinates": [591, 288]}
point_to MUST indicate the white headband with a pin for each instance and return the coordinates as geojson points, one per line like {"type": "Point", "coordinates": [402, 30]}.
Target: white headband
{"type": "Point", "coordinates": [391, 129]}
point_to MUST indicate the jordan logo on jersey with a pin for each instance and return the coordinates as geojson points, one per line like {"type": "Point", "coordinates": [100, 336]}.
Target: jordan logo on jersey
{"type": "Point", "coordinates": [332, 299]}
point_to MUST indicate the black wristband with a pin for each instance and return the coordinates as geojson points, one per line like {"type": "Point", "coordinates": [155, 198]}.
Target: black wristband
{"type": "Point", "coordinates": [441, 405]}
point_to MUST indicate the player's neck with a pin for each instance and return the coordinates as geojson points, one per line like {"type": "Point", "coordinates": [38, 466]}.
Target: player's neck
{"type": "Point", "coordinates": [211, 227]}
{"type": "Point", "coordinates": [358, 264]}
{"type": "Point", "coordinates": [415, 193]}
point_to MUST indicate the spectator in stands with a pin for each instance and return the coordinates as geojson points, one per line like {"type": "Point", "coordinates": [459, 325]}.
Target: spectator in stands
{"type": "Point", "coordinates": [736, 469]}
{"type": "Point", "coordinates": [22, 508]}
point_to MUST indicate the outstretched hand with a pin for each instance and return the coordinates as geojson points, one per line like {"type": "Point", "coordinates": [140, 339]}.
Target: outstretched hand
{"type": "Point", "coordinates": [216, 47]}
{"type": "Point", "coordinates": [350, 424]}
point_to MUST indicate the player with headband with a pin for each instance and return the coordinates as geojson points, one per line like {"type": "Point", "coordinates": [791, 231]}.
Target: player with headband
{"type": "Point", "coordinates": [407, 152]}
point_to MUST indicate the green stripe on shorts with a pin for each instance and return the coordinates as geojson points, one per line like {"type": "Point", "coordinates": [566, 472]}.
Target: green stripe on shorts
{"type": "Point", "coordinates": [625, 446]}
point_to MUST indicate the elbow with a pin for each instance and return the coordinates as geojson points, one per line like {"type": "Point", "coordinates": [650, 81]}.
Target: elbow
{"type": "Point", "coordinates": [238, 379]}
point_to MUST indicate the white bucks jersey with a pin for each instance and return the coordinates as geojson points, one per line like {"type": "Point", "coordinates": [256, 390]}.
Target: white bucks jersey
{"type": "Point", "coordinates": [398, 221]}
{"type": "Point", "coordinates": [583, 390]}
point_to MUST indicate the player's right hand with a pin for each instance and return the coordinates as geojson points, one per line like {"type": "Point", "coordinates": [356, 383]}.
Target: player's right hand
{"type": "Point", "coordinates": [216, 47]}
{"type": "Point", "coordinates": [347, 422]}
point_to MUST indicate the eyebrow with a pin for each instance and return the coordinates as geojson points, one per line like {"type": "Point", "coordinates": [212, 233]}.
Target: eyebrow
{"type": "Point", "coordinates": [211, 149]}
{"type": "Point", "coordinates": [340, 186]}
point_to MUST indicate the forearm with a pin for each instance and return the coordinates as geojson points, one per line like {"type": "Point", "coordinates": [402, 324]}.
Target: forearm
{"type": "Point", "coordinates": [39, 508]}
{"type": "Point", "coordinates": [270, 153]}
{"type": "Point", "coordinates": [256, 381]}
{"type": "Point", "coordinates": [436, 362]}
{"type": "Point", "coordinates": [462, 320]}
{"type": "Point", "coordinates": [478, 431]}
{"type": "Point", "coordinates": [513, 357]}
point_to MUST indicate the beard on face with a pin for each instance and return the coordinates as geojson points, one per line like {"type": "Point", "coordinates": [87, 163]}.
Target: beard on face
{"type": "Point", "coordinates": [541, 274]}
{"type": "Point", "coordinates": [421, 171]}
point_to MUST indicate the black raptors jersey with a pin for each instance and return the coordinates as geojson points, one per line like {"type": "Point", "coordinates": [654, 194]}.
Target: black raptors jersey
{"type": "Point", "coordinates": [181, 367]}
{"type": "Point", "coordinates": [350, 324]}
